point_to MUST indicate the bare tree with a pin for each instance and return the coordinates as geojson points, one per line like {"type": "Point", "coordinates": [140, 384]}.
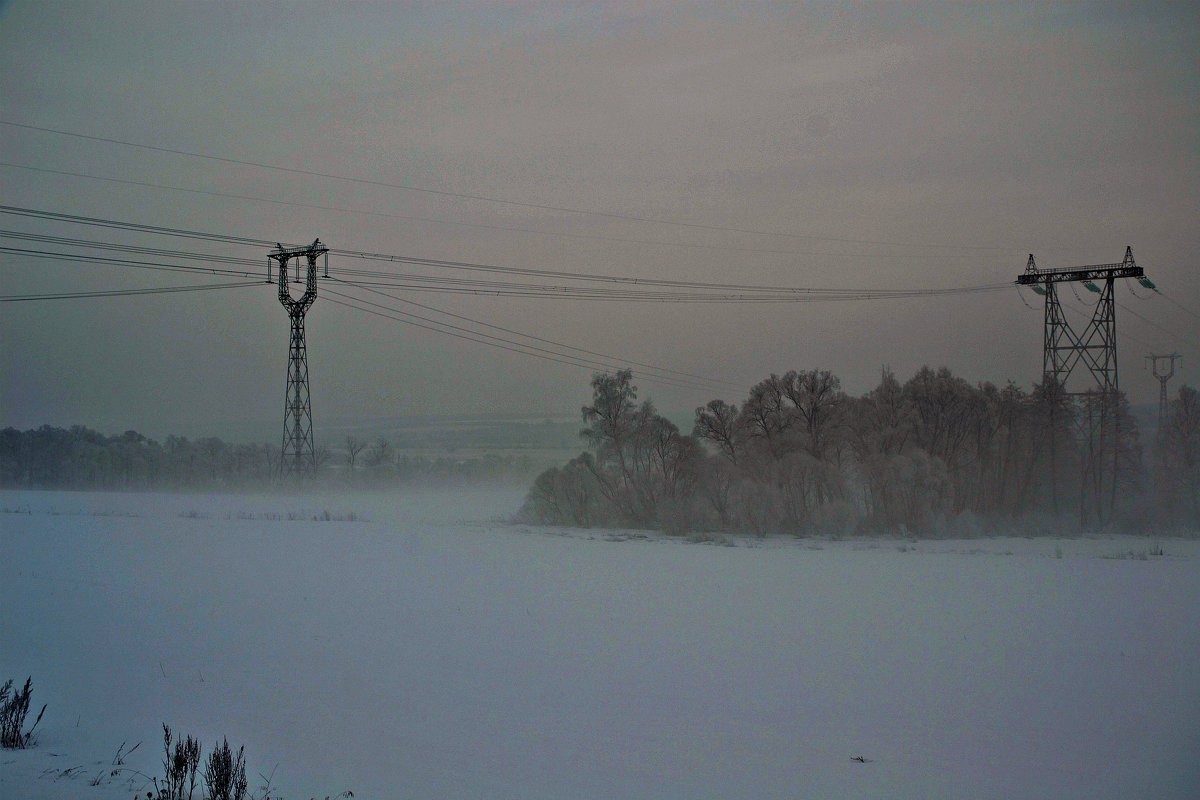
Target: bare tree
{"type": "Point", "coordinates": [321, 456]}
{"type": "Point", "coordinates": [353, 446]}
{"type": "Point", "coordinates": [817, 395]}
{"type": "Point", "coordinates": [766, 418]}
{"type": "Point", "coordinates": [716, 422]}
{"type": "Point", "coordinates": [380, 453]}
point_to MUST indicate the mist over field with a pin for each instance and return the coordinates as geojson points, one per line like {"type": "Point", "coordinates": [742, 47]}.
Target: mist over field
{"type": "Point", "coordinates": [931, 455]}
{"type": "Point", "coordinates": [599, 401]}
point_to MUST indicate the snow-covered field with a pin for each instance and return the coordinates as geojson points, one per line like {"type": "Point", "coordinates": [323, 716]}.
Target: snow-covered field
{"type": "Point", "coordinates": [428, 649]}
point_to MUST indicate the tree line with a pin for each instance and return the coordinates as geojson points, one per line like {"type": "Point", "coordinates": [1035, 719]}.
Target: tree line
{"type": "Point", "coordinates": [81, 458]}
{"type": "Point", "coordinates": [78, 457]}
{"type": "Point", "coordinates": [800, 456]}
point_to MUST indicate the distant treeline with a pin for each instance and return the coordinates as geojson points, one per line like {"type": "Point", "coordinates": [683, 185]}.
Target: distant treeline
{"type": "Point", "coordinates": [81, 458]}
{"type": "Point", "coordinates": [936, 453]}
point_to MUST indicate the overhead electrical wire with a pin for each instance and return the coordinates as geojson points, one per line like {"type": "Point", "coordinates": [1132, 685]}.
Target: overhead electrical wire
{"type": "Point", "coordinates": [132, 226]}
{"type": "Point", "coordinates": [1152, 323]}
{"type": "Point", "coordinates": [400, 316]}
{"type": "Point", "coordinates": [88, 295]}
{"type": "Point", "coordinates": [583, 286]}
{"type": "Point", "coordinates": [126, 248]}
{"type": "Point", "coordinates": [479, 225]}
{"type": "Point", "coordinates": [485, 338]}
{"type": "Point", "coordinates": [622, 288]}
{"type": "Point", "coordinates": [122, 262]}
{"type": "Point", "coordinates": [423, 283]}
{"type": "Point", "coordinates": [451, 285]}
{"type": "Point", "coordinates": [1129, 284]}
{"type": "Point", "coordinates": [638, 281]}
{"type": "Point", "coordinates": [573, 286]}
{"type": "Point", "coordinates": [485, 198]}
{"type": "Point", "coordinates": [1021, 295]}
{"type": "Point", "coordinates": [490, 341]}
{"type": "Point", "coordinates": [613, 362]}
{"type": "Point", "coordinates": [708, 292]}
{"type": "Point", "coordinates": [1083, 305]}
{"type": "Point", "coordinates": [1177, 304]}
{"type": "Point", "coordinates": [669, 373]}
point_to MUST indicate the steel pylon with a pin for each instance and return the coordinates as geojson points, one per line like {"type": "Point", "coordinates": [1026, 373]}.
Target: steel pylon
{"type": "Point", "coordinates": [1096, 345]}
{"type": "Point", "coordinates": [1163, 378]}
{"type": "Point", "coordinates": [297, 456]}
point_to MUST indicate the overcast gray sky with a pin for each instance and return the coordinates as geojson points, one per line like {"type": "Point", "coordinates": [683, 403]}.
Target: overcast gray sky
{"type": "Point", "coordinates": [859, 146]}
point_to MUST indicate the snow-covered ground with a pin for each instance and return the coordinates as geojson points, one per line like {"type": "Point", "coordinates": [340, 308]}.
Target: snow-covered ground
{"type": "Point", "coordinates": [418, 646]}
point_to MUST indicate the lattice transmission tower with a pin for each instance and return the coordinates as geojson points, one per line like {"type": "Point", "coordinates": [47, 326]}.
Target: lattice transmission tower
{"type": "Point", "coordinates": [1095, 347]}
{"type": "Point", "coordinates": [298, 457]}
{"type": "Point", "coordinates": [1163, 377]}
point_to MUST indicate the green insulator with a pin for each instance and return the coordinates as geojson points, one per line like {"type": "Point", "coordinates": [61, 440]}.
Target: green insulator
{"type": "Point", "coordinates": [1039, 290]}
{"type": "Point", "coordinates": [1092, 287]}
{"type": "Point", "coordinates": [1144, 281]}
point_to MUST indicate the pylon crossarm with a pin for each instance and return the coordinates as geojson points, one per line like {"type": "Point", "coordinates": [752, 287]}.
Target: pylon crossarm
{"type": "Point", "coordinates": [1128, 268]}
{"type": "Point", "coordinates": [1094, 273]}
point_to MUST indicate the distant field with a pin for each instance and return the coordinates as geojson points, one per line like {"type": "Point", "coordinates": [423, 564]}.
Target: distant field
{"type": "Point", "coordinates": [417, 645]}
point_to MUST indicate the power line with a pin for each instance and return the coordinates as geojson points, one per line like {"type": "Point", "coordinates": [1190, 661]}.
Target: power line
{"type": "Point", "coordinates": [133, 226]}
{"type": "Point", "coordinates": [164, 266]}
{"type": "Point", "coordinates": [528, 349]}
{"type": "Point", "coordinates": [495, 342]}
{"type": "Point", "coordinates": [1177, 304]}
{"type": "Point", "coordinates": [486, 198]}
{"type": "Point", "coordinates": [443, 285]}
{"type": "Point", "coordinates": [719, 292]}
{"type": "Point", "coordinates": [126, 248]}
{"type": "Point", "coordinates": [669, 372]}
{"type": "Point", "coordinates": [122, 262]}
{"type": "Point", "coordinates": [19, 298]}
{"type": "Point", "coordinates": [583, 276]}
{"type": "Point", "coordinates": [479, 225]}
{"type": "Point", "coordinates": [1152, 323]}
{"type": "Point", "coordinates": [427, 284]}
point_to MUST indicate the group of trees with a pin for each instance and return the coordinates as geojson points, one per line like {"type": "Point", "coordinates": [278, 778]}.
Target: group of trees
{"type": "Point", "coordinates": [78, 458]}
{"type": "Point", "coordinates": [81, 458]}
{"type": "Point", "coordinates": [797, 455]}
{"type": "Point", "coordinates": [1177, 457]}
{"type": "Point", "coordinates": [800, 455]}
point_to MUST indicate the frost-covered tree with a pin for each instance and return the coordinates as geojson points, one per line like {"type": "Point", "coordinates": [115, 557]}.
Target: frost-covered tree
{"type": "Point", "coordinates": [1177, 456]}
{"type": "Point", "coordinates": [798, 455]}
{"type": "Point", "coordinates": [638, 469]}
{"type": "Point", "coordinates": [638, 457]}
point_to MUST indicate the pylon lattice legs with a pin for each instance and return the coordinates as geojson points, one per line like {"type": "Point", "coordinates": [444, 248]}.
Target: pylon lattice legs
{"type": "Point", "coordinates": [298, 454]}
{"type": "Point", "coordinates": [1095, 347]}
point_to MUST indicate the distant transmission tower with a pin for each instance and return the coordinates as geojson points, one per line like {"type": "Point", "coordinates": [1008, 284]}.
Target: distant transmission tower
{"type": "Point", "coordinates": [298, 455]}
{"type": "Point", "coordinates": [1064, 349]}
{"type": "Point", "coordinates": [1096, 346]}
{"type": "Point", "coordinates": [1163, 377]}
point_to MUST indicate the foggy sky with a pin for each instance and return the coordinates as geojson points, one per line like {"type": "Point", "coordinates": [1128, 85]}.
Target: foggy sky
{"type": "Point", "coordinates": [884, 146]}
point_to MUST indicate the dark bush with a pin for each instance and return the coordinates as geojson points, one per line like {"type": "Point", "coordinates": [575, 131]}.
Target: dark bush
{"type": "Point", "coordinates": [14, 706]}
{"type": "Point", "coordinates": [225, 773]}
